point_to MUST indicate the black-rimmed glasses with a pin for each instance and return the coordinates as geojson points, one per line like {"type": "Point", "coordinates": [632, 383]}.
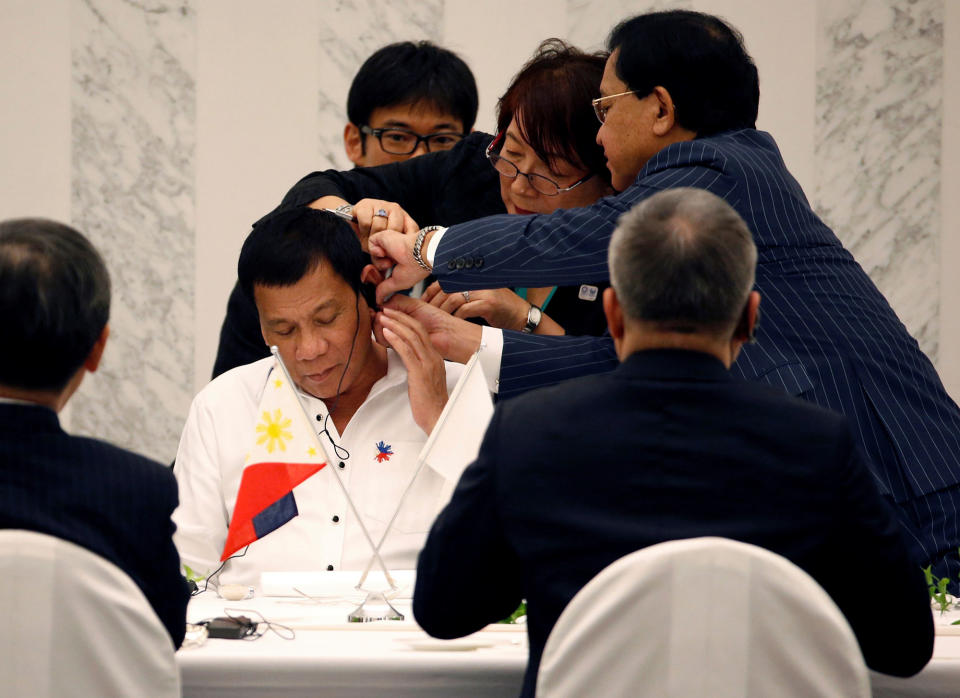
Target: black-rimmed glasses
{"type": "Point", "coordinates": [400, 141]}
{"type": "Point", "coordinates": [542, 184]}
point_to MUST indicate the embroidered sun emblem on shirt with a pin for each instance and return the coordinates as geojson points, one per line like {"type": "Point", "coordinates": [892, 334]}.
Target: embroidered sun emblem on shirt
{"type": "Point", "coordinates": [384, 452]}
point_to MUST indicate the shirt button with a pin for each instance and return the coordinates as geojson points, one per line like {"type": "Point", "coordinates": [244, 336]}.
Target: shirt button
{"type": "Point", "coordinates": [329, 568]}
{"type": "Point", "coordinates": [468, 263]}
{"type": "Point", "coordinates": [460, 263]}
{"type": "Point", "coordinates": [452, 264]}
{"type": "Point", "coordinates": [335, 519]}
{"type": "Point", "coordinates": [341, 465]}
{"type": "Point", "coordinates": [478, 262]}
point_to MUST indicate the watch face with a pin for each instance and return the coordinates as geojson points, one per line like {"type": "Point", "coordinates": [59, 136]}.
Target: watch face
{"type": "Point", "coordinates": [344, 211]}
{"type": "Point", "coordinates": [533, 318]}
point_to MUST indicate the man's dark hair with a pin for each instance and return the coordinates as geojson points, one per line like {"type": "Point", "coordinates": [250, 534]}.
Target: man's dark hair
{"type": "Point", "coordinates": [408, 73]}
{"type": "Point", "coordinates": [685, 259]}
{"type": "Point", "coordinates": [552, 94]}
{"type": "Point", "coordinates": [54, 300]}
{"type": "Point", "coordinates": [699, 59]}
{"type": "Point", "coordinates": [287, 245]}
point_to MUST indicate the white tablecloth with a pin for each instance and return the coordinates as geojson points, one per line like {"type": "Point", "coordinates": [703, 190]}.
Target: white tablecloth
{"type": "Point", "coordinates": [330, 657]}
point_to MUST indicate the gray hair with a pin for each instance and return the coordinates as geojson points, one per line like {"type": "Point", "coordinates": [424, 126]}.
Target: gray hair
{"type": "Point", "coordinates": [54, 302]}
{"type": "Point", "coordinates": [684, 258]}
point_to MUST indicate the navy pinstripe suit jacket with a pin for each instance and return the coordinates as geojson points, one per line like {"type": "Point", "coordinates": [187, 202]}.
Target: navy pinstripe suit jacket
{"type": "Point", "coordinates": [827, 335]}
{"type": "Point", "coordinates": [110, 501]}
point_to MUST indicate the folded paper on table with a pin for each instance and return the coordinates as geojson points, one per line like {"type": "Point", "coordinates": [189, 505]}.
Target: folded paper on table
{"type": "Point", "coordinates": [333, 585]}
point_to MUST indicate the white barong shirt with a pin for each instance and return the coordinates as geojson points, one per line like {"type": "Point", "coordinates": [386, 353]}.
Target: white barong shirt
{"type": "Point", "coordinates": [376, 459]}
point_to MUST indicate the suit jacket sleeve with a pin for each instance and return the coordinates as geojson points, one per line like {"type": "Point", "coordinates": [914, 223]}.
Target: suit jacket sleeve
{"type": "Point", "coordinates": [467, 556]}
{"type": "Point", "coordinates": [533, 361]}
{"type": "Point", "coordinates": [870, 574]}
{"type": "Point", "coordinates": [561, 248]}
{"type": "Point", "coordinates": [161, 580]}
{"type": "Point", "coordinates": [435, 189]}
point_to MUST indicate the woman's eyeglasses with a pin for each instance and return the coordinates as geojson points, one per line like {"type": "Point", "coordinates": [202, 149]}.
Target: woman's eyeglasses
{"type": "Point", "coordinates": [542, 184]}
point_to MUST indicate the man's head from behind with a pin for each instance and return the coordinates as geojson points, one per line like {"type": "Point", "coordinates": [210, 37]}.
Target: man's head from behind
{"type": "Point", "coordinates": [55, 302]}
{"type": "Point", "coordinates": [303, 269]}
{"type": "Point", "coordinates": [681, 272]}
{"type": "Point", "coordinates": [408, 88]}
{"type": "Point", "coordinates": [686, 74]}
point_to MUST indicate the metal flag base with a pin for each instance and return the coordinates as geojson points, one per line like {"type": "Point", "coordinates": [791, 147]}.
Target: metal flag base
{"type": "Point", "coordinates": [374, 607]}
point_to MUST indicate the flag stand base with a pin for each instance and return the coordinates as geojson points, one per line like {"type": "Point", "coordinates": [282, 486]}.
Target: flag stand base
{"type": "Point", "coordinates": [375, 607]}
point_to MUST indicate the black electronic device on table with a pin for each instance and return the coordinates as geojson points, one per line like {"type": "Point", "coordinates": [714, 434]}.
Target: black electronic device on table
{"type": "Point", "coordinates": [230, 627]}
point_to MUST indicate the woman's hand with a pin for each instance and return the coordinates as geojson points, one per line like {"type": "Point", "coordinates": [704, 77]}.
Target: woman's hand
{"type": "Point", "coordinates": [369, 221]}
{"type": "Point", "coordinates": [500, 307]}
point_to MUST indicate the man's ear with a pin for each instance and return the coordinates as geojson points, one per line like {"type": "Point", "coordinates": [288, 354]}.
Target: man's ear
{"type": "Point", "coordinates": [747, 326]}
{"type": "Point", "coordinates": [96, 353]}
{"type": "Point", "coordinates": [353, 144]}
{"type": "Point", "coordinates": [371, 275]}
{"type": "Point", "coordinates": [614, 313]}
{"type": "Point", "coordinates": [666, 112]}
{"type": "Point", "coordinates": [753, 315]}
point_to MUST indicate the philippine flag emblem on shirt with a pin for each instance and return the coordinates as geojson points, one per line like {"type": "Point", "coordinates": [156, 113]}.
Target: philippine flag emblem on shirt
{"type": "Point", "coordinates": [383, 452]}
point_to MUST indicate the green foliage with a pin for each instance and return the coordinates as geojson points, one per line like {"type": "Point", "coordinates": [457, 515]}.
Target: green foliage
{"type": "Point", "coordinates": [521, 611]}
{"type": "Point", "coordinates": [937, 586]}
{"type": "Point", "coordinates": [192, 575]}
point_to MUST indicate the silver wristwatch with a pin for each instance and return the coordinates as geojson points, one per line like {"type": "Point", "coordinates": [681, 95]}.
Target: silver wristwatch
{"type": "Point", "coordinates": [345, 211]}
{"type": "Point", "coordinates": [418, 246]}
{"type": "Point", "coordinates": [534, 315]}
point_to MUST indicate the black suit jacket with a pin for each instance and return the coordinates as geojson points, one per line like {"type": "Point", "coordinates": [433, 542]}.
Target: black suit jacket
{"type": "Point", "coordinates": [108, 500]}
{"type": "Point", "coordinates": [667, 446]}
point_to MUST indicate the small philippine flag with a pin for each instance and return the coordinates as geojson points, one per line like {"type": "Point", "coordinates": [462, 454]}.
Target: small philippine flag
{"type": "Point", "coordinates": [285, 452]}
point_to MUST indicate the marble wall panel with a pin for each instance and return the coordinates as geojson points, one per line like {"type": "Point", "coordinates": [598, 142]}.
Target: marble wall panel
{"type": "Point", "coordinates": [350, 30]}
{"type": "Point", "coordinates": [133, 194]}
{"type": "Point", "coordinates": [878, 143]}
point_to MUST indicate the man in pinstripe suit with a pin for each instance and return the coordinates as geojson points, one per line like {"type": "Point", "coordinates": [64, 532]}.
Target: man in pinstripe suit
{"type": "Point", "coordinates": [678, 107]}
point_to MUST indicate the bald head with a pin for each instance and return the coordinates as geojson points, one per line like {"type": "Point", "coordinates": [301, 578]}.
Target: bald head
{"type": "Point", "coordinates": [684, 261]}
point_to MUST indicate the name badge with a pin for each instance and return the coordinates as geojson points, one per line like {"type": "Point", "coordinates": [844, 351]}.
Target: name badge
{"type": "Point", "coordinates": [588, 293]}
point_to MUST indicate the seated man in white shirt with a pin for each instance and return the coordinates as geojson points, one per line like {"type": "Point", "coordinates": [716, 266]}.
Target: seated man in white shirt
{"type": "Point", "coordinates": [373, 406]}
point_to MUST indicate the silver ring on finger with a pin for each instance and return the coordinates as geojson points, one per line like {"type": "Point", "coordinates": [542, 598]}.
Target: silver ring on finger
{"type": "Point", "coordinates": [466, 296]}
{"type": "Point", "coordinates": [381, 212]}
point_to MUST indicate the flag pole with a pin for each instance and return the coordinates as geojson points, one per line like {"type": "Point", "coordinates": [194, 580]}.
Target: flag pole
{"type": "Point", "coordinates": [376, 549]}
{"type": "Point", "coordinates": [421, 461]}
